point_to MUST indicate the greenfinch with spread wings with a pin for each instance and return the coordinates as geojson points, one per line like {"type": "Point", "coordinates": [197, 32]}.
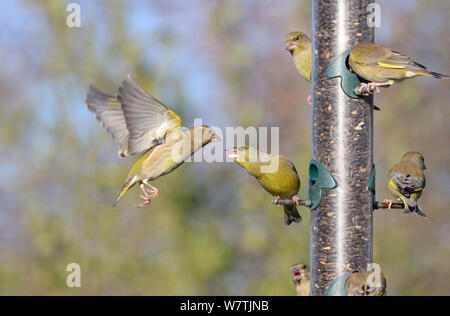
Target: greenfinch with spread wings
{"type": "Point", "coordinates": [407, 181]}
{"type": "Point", "coordinates": [139, 123]}
{"type": "Point", "coordinates": [383, 67]}
{"type": "Point", "coordinates": [276, 174]}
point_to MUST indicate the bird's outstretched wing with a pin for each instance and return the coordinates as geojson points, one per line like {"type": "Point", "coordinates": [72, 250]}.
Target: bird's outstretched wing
{"type": "Point", "coordinates": [108, 112]}
{"type": "Point", "coordinates": [147, 119]}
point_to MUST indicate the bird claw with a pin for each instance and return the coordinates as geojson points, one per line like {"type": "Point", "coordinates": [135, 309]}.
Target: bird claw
{"type": "Point", "coordinates": [296, 200]}
{"type": "Point", "coordinates": [277, 201]}
{"type": "Point", "coordinates": [146, 202]}
{"type": "Point", "coordinates": [365, 89]}
{"type": "Point", "coordinates": [148, 196]}
{"type": "Point", "coordinates": [389, 203]}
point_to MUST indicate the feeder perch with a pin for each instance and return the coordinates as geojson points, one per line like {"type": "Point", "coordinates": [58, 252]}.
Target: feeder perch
{"type": "Point", "coordinates": [319, 178]}
{"type": "Point", "coordinates": [337, 287]}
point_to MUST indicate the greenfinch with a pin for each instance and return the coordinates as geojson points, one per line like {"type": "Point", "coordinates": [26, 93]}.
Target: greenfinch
{"type": "Point", "coordinates": [366, 283]}
{"type": "Point", "coordinates": [140, 123]}
{"type": "Point", "coordinates": [300, 47]}
{"type": "Point", "coordinates": [383, 67]}
{"type": "Point", "coordinates": [407, 181]}
{"type": "Point", "coordinates": [301, 276]}
{"type": "Point", "coordinates": [280, 179]}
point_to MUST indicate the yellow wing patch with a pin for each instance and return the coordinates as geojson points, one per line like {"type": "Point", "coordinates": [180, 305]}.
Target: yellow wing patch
{"type": "Point", "coordinates": [393, 185]}
{"type": "Point", "coordinates": [386, 65]}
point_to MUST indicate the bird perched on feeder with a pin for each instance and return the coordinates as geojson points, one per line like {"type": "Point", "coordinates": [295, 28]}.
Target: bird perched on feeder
{"type": "Point", "coordinates": [301, 276]}
{"type": "Point", "coordinates": [276, 174]}
{"type": "Point", "coordinates": [140, 123]}
{"type": "Point", "coordinates": [300, 47]}
{"type": "Point", "coordinates": [366, 283]}
{"type": "Point", "coordinates": [407, 181]}
{"type": "Point", "coordinates": [383, 67]}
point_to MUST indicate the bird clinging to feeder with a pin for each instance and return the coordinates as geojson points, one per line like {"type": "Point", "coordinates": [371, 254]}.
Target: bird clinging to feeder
{"type": "Point", "coordinates": [366, 283]}
{"type": "Point", "coordinates": [407, 181]}
{"type": "Point", "coordinates": [276, 174]}
{"type": "Point", "coordinates": [300, 47]}
{"type": "Point", "coordinates": [383, 67]}
{"type": "Point", "coordinates": [301, 276]}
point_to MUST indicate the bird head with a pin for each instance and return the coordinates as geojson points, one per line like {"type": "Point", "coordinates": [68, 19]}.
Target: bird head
{"type": "Point", "coordinates": [298, 272]}
{"type": "Point", "coordinates": [209, 135]}
{"type": "Point", "coordinates": [296, 41]}
{"type": "Point", "coordinates": [239, 153]}
{"type": "Point", "coordinates": [415, 157]}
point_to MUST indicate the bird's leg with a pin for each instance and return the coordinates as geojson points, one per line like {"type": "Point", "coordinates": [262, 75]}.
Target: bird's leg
{"type": "Point", "coordinates": [277, 200]}
{"type": "Point", "coordinates": [309, 99]}
{"type": "Point", "coordinates": [296, 200]}
{"type": "Point", "coordinates": [153, 190]}
{"type": "Point", "coordinates": [379, 84]}
{"type": "Point", "coordinates": [389, 203]}
{"type": "Point", "coordinates": [363, 86]}
{"type": "Point", "coordinates": [148, 195]}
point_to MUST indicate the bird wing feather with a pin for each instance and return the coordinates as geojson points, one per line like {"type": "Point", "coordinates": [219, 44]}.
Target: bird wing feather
{"type": "Point", "coordinates": [147, 119]}
{"type": "Point", "coordinates": [406, 184]}
{"type": "Point", "coordinates": [377, 55]}
{"type": "Point", "coordinates": [108, 111]}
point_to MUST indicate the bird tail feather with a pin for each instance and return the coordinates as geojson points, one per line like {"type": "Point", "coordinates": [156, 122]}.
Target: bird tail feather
{"type": "Point", "coordinates": [411, 206]}
{"type": "Point", "coordinates": [128, 184]}
{"type": "Point", "coordinates": [291, 215]}
{"type": "Point", "coordinates": [439, 76]}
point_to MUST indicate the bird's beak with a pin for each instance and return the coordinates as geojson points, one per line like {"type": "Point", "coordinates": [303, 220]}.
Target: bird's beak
{"type": "Point", "coordinates": [424, 167]}
{"type": "Point", "coordinates": [232, 153]}
{"type": "Point", "coordinates": [290, 46]}
{"type": "Point", "coordinates": [216, 139]}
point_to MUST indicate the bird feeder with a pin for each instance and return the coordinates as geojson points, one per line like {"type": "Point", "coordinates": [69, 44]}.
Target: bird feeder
{"type": "Point", "coordinates": [342, 142]}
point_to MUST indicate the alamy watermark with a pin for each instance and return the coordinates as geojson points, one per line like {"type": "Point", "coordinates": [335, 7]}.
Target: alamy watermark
{"type": "Point", "coordinates": [73, 19]}
{"type": "Point", "coordinates": [374, 16]}
{"type": "Point", "coordinates": [74, 278]}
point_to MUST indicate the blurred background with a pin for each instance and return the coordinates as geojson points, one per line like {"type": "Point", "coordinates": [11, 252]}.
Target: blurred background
{"type": "Point", "coordinates": [212, 230]}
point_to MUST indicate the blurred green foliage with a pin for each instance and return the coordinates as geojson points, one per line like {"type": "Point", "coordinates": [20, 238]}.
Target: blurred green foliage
{"type": "Point", "coordinates": [212, 230]}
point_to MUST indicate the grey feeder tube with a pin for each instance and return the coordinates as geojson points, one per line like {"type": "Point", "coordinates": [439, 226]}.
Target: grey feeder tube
{"type": "Point", "coordinates": [342, 141]}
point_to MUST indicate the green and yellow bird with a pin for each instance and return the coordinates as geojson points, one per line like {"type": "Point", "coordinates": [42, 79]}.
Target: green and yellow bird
{"type": "Point", "coordinates": [276, 174]}
{"type": "Point", "coordinates": [139, 123]}
{"type": "Point", "coordinates": [366, 283]}
{"type": "Point", "coordinates": [301, 276]}
{"type": "Point", "coordinates": [383, 67]}
{"type": "Point", "coordinates": [407, 181]}
{"type": "Point", "coordinates": [300, 47]}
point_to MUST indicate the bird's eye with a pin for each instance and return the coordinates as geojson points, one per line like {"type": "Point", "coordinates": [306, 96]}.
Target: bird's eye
{"type": "Point", "coordinates": [297, 38]}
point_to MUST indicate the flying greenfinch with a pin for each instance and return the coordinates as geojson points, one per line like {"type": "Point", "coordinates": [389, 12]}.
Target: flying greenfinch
{"type": "Point", "coordinates": [383, 67]}
{"type": "Point", "coordinates": [276, 174]}
{"type": "Point", "coordinates": [301, 276]}
{"type": "Point", "coordinates": [300, 47]}
{"type": "Point", "coordinates": [407, 181]}
{"type": "Point", "coordinates": [366, 283]}
{"type": "Point", "coordinates": [140, 123]}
